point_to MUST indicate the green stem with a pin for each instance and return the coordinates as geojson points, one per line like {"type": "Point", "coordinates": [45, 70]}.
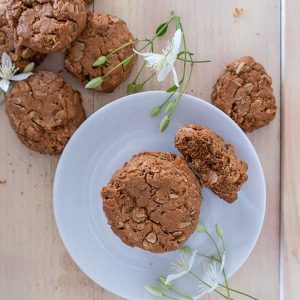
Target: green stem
{"type": "Point", "coordinates": [178, 292]}
{"type": "Point", "coordinates": [238, 292]}
{"type": "Point", "coordinates": [224, 272]}
{"type": "Point", "coordinates": [123, 46]}
{"type": "Point", "coordinates": [210, 257]}
{"type": "Point", "coordinates": [169, 297]}
{"type": "Point", "coordinates": [218, 292]}
{"type": "Point", "coordinates": [167, 100]}
{"type": "Point", "coordinates": [139, 73]}
{"type": "Point", "coordinates": [149, 78]}
{"type": "Point", "coordinates": [194, 61]}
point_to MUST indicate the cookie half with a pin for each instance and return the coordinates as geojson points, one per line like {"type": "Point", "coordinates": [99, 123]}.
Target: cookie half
{"type": "Point", "coordinates": [44, 111]}
{"type": "Point", "coordinates": [153, 202]}
{"type": "Point", "coordinates": [20, 55]}
{"type": "Point", "coordinates": [47, 26]}
{"type": "Point", "coordinates": [103, 34]}
{"type": "Point", "coordinates": [213, 160]}
{"type": "Point", "coordinates": [244, 92]}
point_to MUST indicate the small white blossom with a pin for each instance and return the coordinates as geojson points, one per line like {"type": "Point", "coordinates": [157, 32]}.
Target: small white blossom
{"type": "Point", "coordinates": [163, 64]}
{"type": "Point", "coordinates": [211, 277]}
{"type": "Point", "coordinates": [182, 266]}
{"type": "Point", "coordinates": [8, 71]}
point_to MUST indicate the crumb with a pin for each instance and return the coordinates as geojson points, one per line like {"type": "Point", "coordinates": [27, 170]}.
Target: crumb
{"type": "Point", "coordinates": [10, 163]}
{"type": "Point", "coordinates": [7, 154]}
{"type": "Point", "coordinates": [30, 165]}
{"type": "Point", "coordinates": [237, 12]}
{"type": "Point", "coordinates": [257, 33]}
{"type": "Point", "coordinates": [22, 193]}
{"type": "Point", "coordinates": [13, 171]}
{"type": "Point", "coordinates": [3, 181]}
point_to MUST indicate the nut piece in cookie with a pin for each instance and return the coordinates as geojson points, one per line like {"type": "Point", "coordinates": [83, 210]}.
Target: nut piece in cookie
{"type": "Point", "coordinates": [213, 160]}
{"type": "Point", "coordinates": [244, 92]}
{"type": "Point", "coordinates": [103, 34]}
{"type": "Point", "coordinates": [20, 55]}
{"type": "Point", "coordinates": [47, 26]}
{"type": "Point", "coordinates": [44, 111]}
{"type": "Point", "coordinates": [153, 202]}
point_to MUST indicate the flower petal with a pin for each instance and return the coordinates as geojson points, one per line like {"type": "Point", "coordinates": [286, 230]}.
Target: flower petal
{"type": "Point", "coordinates": [6, 61]}
{"type": "Point", "coordinates": [174, 276]}
{"type": "Point", "coordinates": [154, 60]}
{"type": "Point", "coordinates": [145, 54]}
{"type": "Point", "coordinates": [163, 73]}
{"type": "Point", "coordinates": [177, 41]}
{"type": "Point", "coordinates": [175, 78]}
{"type": "Point", "coordinates": [21, 76]}
{"type": "Point", "coordinates": [4, 85]}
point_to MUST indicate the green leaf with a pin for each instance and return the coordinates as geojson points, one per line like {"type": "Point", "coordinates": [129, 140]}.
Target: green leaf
{"type": "Point", "coordinates": [164, 123]}
{"type": "Point", "coordinates": [154, 291]}
{"type": "Point", "coordinates": [155, 111]}
{"type": "Point", "coordinates": [29, 67]}
{"type": "Point", "coordinates": [127, 61]}
{"type": "Point", "coordinates": [200, 228]}
{"type": "Point", "coordinates": [162, 29]}
{"type": "Point", "coordinates": [170, 107]}
{"type": "Point", "coordinates": [94, 83]}
{"type": "Point", "coordinates": [172, 89]}
{"type": "Point", "coordinates": [219, 231]}
{"type": "Point", "coordinates": [100, 61]}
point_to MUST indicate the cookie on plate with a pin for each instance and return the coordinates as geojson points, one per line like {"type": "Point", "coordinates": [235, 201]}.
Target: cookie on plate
{"type": "Point", "coordinates": [20, 55]}
{"type": "Point", "coordinates": [44, 111]}
{"type": "Point", "coordinates": [213, 160]}
{"type": "Point", "coordinates": [244, 92]}
{"type": "Point", "coordinates": [103, 34]}
{"type": "Point", "coordinates": [47, 26]}
{"type": "Point", "coordinates": [153, 201]}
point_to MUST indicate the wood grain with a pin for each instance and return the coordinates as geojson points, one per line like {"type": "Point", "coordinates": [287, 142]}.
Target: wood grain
{"type": "Point", "coordinates": [34, 263]}
{"type": "Point", "coordinates": [290, 152]}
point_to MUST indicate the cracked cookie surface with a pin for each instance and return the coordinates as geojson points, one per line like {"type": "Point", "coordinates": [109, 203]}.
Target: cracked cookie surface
{"type": "Point", "coordinates": [244, 92]}
{"type": "Point", "coordinates": [103, 34]}
{"type": "Point", "coordinates": [47, 26]}
{"type": "Point", "coordinates": [44, 111]}
{"type": "Point", "coordinates": [20, 55]}
{"type": "Point", "coordinates": [213, 160]}
{"type": "Point", "coordinates": [153, 201]}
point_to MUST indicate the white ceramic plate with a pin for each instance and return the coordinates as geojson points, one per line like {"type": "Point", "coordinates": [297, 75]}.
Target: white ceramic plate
{"type": "Point", "coordinates": [100, 146]}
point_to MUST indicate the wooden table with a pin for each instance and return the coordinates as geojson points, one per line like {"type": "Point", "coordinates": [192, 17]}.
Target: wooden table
{"type": "Point", "coordinates": [33, 261]}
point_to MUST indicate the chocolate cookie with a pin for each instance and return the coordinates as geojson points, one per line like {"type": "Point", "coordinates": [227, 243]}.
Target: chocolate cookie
{"type": "Point", "coordinates": [244, 92]}
{"type": "Point", "coordinates": [20, 55]}
{"type": "Point", "coordinates": [47, 25]}
{"type": "Point", "coordinates": [102, 35]}
{"type": "Point", "coordinates": [213, 160]}
{"type": "Point", "coordinates": [44, 111]}
{"type": "Point", "coordinates": [153, 201]}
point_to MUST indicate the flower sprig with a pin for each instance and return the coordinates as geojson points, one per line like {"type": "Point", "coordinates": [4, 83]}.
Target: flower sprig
{"type": "Point", "coordinates": [161, 64]}
{"type": "Point", "coordinates": [213, 272]}
{"type": "Point", "coordinates": [8, 73]}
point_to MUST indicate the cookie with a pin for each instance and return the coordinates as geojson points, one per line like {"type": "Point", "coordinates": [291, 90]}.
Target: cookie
{"type": "Point", "coordinates": [213, 160]}
{"type": "Point", "coordinates": [20, 55]}
{"type": "Point", "coordinates": [153, 202]}
{"type": "Point", "coordinates": [103, 34]}
{"type": "Point", "coordinates": [244, 92]}
{"type": "Point", "coordinates": [47, 26]}
{"type": "Point", "coordinates": [44, 111]}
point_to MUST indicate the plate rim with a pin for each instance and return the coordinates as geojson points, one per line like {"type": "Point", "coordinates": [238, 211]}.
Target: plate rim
{"type": "Point", "coordinates": [110, 106]}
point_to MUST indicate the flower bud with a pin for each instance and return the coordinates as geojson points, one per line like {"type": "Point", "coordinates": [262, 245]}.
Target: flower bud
{"type": "Point", "coordinates": [94, 83]}
{"type": "Point", "coordinates": [133, 88]}
{"type": "Point", "coordinates": [164, 123]}
{"type": "Point", "coordinates": [154, 291]}
{"type": "Point", "coordinates": [219, 231]}
{"type": "Point", "coordinates": [100, 61]}
{"type": "Point", "coordinates": [186, 250]}
{"type": "Point", "coordinates": [29, 67]}
{"type": "Point", "coordinates": [200, 228]}
{"type": "Point", "coordinates": [170, 107]}
{"type": "Point", "coordinates": [155, 111]}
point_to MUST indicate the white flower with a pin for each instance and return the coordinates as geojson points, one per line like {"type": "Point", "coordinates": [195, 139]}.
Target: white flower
{"type": "Point", "coordinates": [8, 71]}
{"type": "Point", "coordinates": [163, 64]}
{"type": "Point", "coordinates": [182, 267]}
{"type": "Point", "coordinates": [212, 272]}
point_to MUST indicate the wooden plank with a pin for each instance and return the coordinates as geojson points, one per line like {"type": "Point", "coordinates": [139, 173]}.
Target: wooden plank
{"type": "Point", "coordinates": [36, 265]}
{"type": "Point", "coordinates": [290, 151]}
